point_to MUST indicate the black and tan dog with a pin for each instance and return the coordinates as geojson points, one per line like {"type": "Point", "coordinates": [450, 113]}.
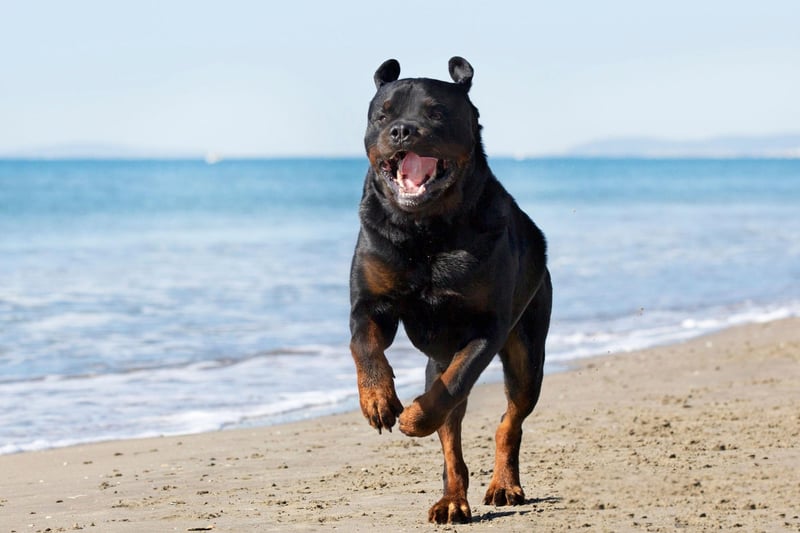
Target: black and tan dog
{"type": "Point", "coordinates": [446, 250]}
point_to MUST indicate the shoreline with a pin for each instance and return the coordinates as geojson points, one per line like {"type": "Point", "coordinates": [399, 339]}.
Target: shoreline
{"type": "Point", "coordinates": [702, 434]}
{"type": "Point", "coordinates": [557, 362]}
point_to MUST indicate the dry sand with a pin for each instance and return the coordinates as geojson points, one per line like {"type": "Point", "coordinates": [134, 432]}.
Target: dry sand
{"type": "Point", "coordinates": [703, 435]}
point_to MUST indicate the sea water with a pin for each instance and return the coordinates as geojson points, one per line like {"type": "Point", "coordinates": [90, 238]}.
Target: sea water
{"type": "Point", "coordinates": [144, 298]}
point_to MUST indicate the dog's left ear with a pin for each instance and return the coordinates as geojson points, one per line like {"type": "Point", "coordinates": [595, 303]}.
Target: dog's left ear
{"type": "Point", "coordinates": [461, 71]}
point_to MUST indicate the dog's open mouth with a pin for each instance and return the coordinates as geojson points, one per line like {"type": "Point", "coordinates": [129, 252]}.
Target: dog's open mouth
{"type": "Point", "coordinates": [414, 177]}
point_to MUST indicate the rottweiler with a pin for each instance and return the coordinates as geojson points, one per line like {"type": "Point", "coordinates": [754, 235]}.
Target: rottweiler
{"type": "Point", "coordinates": [444, 249]}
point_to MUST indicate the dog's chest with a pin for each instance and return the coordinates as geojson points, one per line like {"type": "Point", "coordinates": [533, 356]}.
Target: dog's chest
{"type": "Point", "coordinates": [440, 277]}
{"type": "Point", "coordinates": [439, 292]}
{"type": "Point", "coordinates": [452, 271]}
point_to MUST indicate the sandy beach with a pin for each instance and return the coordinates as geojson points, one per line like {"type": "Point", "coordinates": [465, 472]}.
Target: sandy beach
{"type": "Point", "coordinates": [697, 436]}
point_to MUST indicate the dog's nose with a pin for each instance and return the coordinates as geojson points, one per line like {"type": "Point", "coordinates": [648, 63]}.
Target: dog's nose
{"type": "Point", "coordinates": [401, 132]}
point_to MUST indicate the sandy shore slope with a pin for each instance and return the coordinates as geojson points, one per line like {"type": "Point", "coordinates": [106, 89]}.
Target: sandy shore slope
{"type": "Point", "coordinates": [703, 435]}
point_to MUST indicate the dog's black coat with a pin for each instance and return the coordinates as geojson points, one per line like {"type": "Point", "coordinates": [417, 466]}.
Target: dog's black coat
{"type": "Point", "coordinates": [450, 254]}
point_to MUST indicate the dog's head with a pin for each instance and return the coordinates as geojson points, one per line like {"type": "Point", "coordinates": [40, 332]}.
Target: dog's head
{"type": "Point", "coordinates": [421, 136]}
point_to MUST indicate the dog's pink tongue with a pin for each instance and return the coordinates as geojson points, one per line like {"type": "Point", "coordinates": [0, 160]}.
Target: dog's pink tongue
{"type": "Point", "coordinates": [414, 170]}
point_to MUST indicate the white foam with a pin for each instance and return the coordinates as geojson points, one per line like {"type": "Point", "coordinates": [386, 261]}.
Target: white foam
{"type": "Point", "coordinates": [68, 320]}
{"type": "Point", "coordinates": [641, 331]}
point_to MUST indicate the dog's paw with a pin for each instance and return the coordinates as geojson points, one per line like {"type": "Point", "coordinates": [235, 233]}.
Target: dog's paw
{"type": "Point", "coordinates": [501, 495]}
{"type": "Point", "coordinates": [380, 406]}
{"type": "Point", "coordinates": [415, 421]}
{"type": "Point", "coordinates": [450, 511]}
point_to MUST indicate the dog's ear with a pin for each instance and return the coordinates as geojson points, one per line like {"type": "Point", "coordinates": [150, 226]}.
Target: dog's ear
{"type": "Point", "coordinates": [461, 71]}
{"type": "Point", "coordinates": [389, 71]}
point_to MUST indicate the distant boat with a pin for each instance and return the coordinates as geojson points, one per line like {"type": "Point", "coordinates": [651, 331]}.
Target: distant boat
{"type": "Point", "coordinates": [212, 158]}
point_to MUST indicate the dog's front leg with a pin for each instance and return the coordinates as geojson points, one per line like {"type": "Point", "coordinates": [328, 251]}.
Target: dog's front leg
{"type": "Point", "coordinates": [371, 335]}
{"type": "Point", "coordinates": [429, 411]}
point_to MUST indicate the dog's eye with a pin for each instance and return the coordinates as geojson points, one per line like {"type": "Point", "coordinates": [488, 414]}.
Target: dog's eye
{"type": "Point", "coordinates": [435, 114]}
{"type": "Point", "coordinates": [380, 118]}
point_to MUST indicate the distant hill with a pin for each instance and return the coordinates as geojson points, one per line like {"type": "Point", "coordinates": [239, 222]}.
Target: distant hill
{"type": "Point", "coordinates": [723, 147]}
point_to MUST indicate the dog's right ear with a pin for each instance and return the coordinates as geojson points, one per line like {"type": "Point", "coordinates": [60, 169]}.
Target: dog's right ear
{"type": "Point", "coordinates": [389, 71]}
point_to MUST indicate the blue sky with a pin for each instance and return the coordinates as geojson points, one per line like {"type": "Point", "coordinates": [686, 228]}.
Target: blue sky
{"type": "Point", "coordinates": [247, 78]}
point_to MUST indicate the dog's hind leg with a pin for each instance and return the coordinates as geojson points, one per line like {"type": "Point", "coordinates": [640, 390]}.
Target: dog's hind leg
{"type": "Point", "coordinates": [523, 362]}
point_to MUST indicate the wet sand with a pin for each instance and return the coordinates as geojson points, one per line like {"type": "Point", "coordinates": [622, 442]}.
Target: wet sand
{"type": "Point", "coordinates": [697, 436]}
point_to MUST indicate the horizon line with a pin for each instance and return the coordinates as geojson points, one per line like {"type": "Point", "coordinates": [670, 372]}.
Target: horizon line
{"type": "Point", "coordinates": [220, 159]}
